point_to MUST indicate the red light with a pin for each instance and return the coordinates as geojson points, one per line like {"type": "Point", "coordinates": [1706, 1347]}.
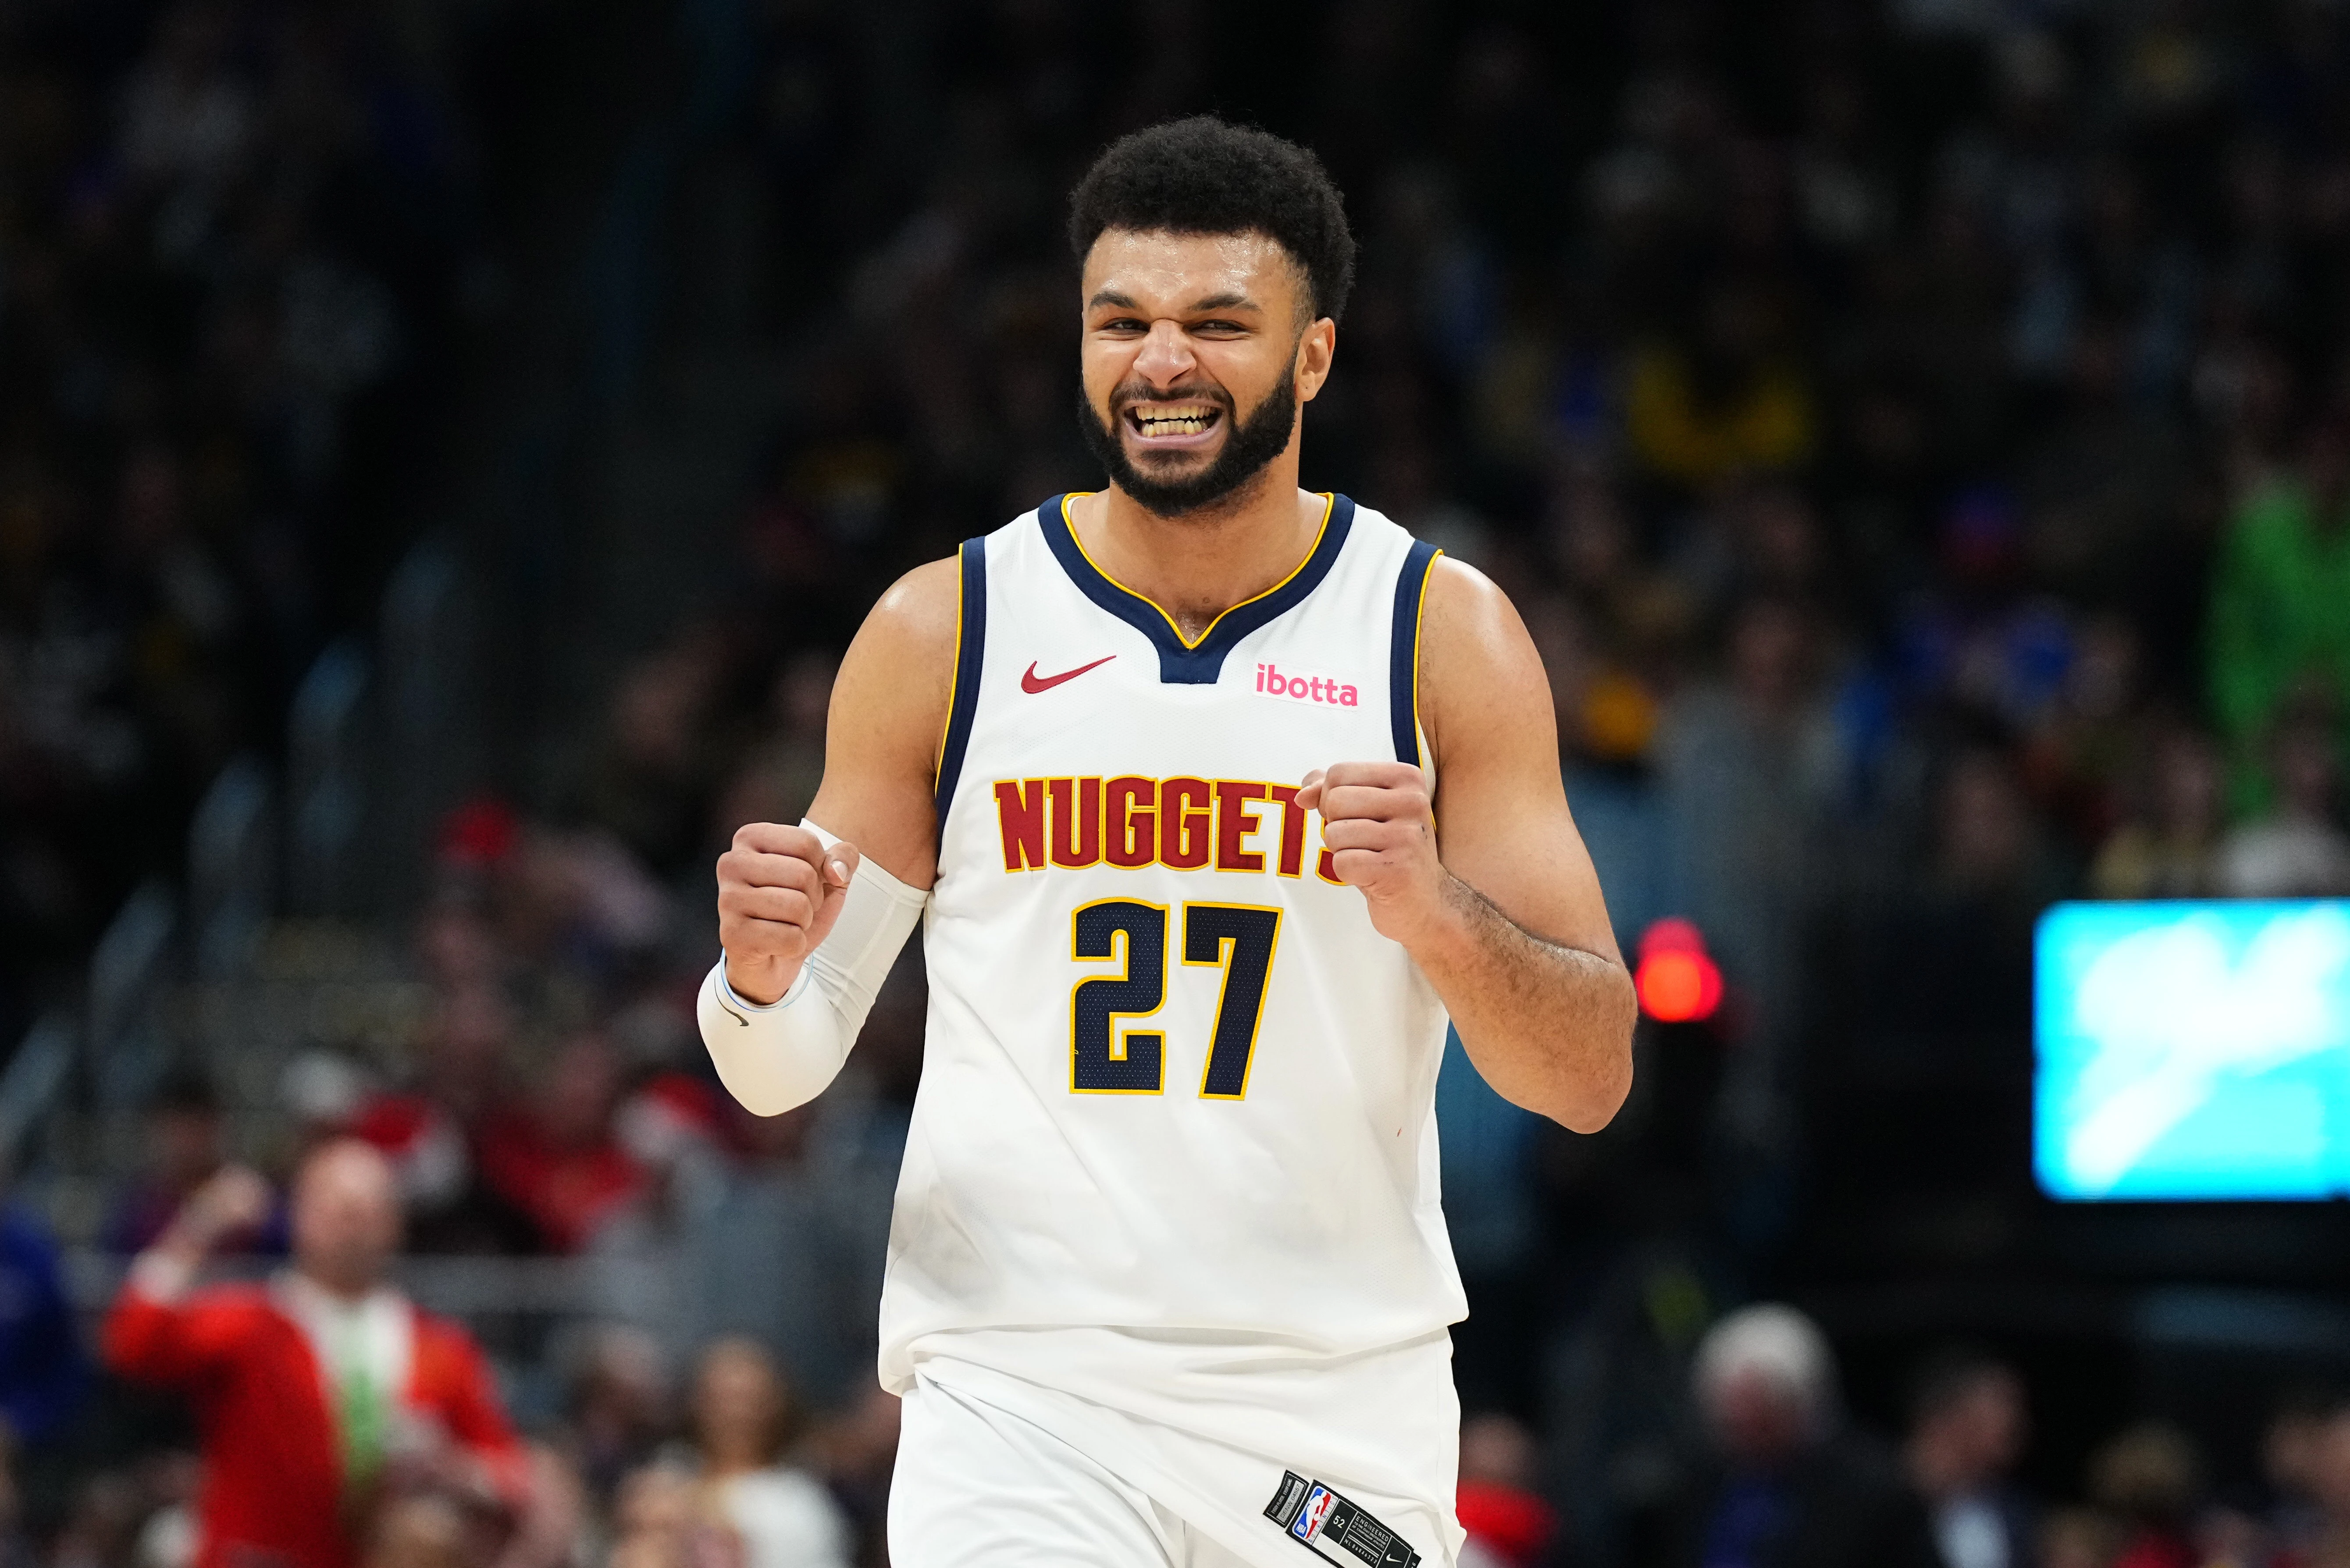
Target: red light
{"type": "Point", "coordinates": [1676, 982]}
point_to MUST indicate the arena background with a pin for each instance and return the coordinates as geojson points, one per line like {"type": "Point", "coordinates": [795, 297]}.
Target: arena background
{"type": "Point", "coordinates": [446, 443]}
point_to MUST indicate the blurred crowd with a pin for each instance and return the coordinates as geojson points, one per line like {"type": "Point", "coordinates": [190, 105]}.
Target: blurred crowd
{"type": "Point", "coordinates": [338, 1424]}
{"type": "Point", "coordinates": [1917, 435]}
{"type": "Point", "coordinates": [234, 248]}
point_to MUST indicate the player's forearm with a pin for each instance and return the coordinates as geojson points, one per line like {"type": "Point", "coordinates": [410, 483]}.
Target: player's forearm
{"type": "Point", "coordinates": [1550, 1026]}
{"type": "Point", "coordinates": [777, 1055]}
{"type": "Point", "coordinates": [781, 1048]}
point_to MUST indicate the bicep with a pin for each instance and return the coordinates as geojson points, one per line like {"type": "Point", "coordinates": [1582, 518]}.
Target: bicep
{"type": "Point", "coordinates": [881, 735]}
{"type": "Point", "coordinates": [1501, 818]}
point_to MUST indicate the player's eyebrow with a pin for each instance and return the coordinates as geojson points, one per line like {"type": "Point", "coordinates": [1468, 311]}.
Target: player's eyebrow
{"type": "Point", "coordinates": [1227, 300]}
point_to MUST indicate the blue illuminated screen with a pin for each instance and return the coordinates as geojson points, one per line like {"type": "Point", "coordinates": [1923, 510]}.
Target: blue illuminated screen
{"type": "Point", "coordinates": [2191, 1049]}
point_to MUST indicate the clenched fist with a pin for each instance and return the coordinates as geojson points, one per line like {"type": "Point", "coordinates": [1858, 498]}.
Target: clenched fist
{"type": "Point", "coordinates": [1381, 834]}
{"type": "Point", "coordinates": [779, 891]}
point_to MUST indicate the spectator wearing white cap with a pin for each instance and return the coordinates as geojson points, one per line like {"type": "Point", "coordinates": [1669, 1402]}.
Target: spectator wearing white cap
{"type": "Point", "coordinates": [1789, 1485]}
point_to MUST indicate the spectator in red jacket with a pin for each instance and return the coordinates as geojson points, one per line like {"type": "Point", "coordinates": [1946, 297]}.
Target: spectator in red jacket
{"type": "Point", "coordinates": [326, 1402]}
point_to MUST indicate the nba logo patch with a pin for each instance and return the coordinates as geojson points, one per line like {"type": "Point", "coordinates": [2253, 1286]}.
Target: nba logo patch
{"type": "Point", "coordinates": [1310, 1517]}
{"type": "Point", "coordinates": [1322, 1521]}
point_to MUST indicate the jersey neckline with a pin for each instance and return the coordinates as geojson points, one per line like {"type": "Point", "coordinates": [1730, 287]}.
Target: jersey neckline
{"type": "Point", "coordinates": [1199, 663]}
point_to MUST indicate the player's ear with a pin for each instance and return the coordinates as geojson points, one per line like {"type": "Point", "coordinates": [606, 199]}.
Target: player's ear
{"type": "Point", "coordinates": [1316, 348]}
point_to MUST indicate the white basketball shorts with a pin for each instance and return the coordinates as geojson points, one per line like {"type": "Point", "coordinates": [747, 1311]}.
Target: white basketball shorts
{"type": "Point", "coordinates": [999, 1471]}
{"type": "Point", "coordinates": [977, 1487]}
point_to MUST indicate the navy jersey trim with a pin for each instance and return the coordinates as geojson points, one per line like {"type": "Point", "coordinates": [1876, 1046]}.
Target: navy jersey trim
{"type": "Point", "coordinates": [970, 648]}
{"type": "Point", "coordinates": [1403, 660]}
{"type": "Point", "coordinates": [1199, 663]}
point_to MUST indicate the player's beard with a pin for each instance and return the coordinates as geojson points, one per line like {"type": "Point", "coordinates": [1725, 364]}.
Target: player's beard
{"type": "Point", "coordinates": [1252, 443]}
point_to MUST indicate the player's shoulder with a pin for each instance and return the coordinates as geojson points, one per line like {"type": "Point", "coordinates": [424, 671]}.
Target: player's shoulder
{"type": "Point", "coordinates": [923, 599]}
{"type": "Point", "coordinates": [912, 630]}
{"type": "Point", "coordinates": [925, 608]}
{"type": "Point", "coordinates": [1467, 617]}
{"type": "Point", "coordinates": [894, 679]}
{"type": "Point", "coordinates": [1478, 666]}
{"type": "Point", "coordinates": [900, 670]}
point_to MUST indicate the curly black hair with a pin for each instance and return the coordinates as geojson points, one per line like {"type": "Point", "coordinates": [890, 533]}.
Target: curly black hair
{"type": "Point", "coordinates": [1203, 176]}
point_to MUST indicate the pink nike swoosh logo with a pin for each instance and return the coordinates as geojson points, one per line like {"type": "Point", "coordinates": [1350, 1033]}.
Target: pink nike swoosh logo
{"type": "Point", "coordinates": [1033, 682]}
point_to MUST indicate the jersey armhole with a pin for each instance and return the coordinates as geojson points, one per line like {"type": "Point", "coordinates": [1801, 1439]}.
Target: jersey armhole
{"type": "Point", "coordinates": [1403, 656]}
{"type": "Point", "coordinates": [962, 694]}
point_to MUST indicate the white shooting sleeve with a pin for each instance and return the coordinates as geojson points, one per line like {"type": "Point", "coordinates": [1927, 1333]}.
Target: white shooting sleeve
{"type": "Point", "coordinates": [783, 1055]}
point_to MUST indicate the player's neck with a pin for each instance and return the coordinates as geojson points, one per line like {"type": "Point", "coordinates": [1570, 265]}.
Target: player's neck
{"type": "Point", "coordinates": [1197, 566]}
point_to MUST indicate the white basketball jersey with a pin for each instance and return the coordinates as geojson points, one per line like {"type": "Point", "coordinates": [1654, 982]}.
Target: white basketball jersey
{"type": "Point", "coordinates": [1174, 1080]}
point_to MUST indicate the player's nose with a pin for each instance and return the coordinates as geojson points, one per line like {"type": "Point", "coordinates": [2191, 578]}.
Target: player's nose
{"type": "Point", "coordinates": [1165, 357]}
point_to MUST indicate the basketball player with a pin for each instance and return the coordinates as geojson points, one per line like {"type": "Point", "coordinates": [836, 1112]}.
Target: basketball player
{"type": "Point", "coordinates": [1215, 798]}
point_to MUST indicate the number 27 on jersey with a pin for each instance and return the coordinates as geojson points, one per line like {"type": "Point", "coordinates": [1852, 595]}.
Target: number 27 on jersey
{"type": "Point", "coordinates": [1107, 1058]}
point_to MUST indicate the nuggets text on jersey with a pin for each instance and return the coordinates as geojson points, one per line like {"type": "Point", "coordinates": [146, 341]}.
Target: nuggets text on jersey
{"type": "Point", "coordinates": [1184, 823]}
